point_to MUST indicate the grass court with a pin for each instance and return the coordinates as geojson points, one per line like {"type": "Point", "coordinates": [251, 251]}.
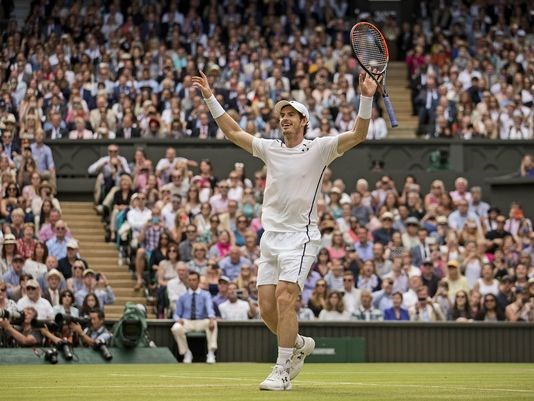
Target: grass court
{"type": "Point", "coordinates": [239, 381]}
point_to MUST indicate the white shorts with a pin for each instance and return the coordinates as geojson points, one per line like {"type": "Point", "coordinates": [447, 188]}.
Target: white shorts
{"type": "Point", "coordinates": [287, 257]}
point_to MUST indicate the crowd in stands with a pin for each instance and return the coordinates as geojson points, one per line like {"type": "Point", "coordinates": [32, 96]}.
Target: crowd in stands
{"type": "Point", "coordinates": [85, 70]}
{"type": "Point", "coordinates": [391, 251]}
{"type": "Point", "coordinates": [471, 66]}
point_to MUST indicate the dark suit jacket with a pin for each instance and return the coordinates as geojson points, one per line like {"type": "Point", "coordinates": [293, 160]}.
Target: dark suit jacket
{"type": "Point", "coordinates": [136, 133]}
{"type": "Point", "coordinates": [212, 131]}
{"type": "Point", "coordinates": [63, 133]}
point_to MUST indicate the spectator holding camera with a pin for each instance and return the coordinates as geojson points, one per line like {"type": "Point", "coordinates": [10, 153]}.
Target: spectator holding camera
{"type": "Point", "coordinates": [6, 303]}
{"type": "Point", "coordinates": [91, 281]}
{"type": "Point", "coordinates": [235, 308]}
{"type": "Point", "coordinates": [425, 310]}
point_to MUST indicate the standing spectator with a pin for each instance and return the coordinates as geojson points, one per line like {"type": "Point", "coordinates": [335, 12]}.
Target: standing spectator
{"type": "Point", "coordinates": [44, 159]}
{"type": "Point", "coordinates": [194, 312]}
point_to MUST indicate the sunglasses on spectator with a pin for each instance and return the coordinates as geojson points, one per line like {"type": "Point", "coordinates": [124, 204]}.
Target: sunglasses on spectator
{"type": "Point", "coordinates": [173, 250]}
{"type": "Point", "coordinates": [347, 279]}
{"type": "Point", "coordinates": [3, 289]}
{"type": "Point", "coordinates": [60, 228]}
{"type": "Point", "coordinates": [78, 267]}
{"type": "Point", "coordinates": [320, 285]}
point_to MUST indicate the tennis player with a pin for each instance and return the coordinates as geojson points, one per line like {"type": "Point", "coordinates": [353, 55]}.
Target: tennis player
{"type": "Point", "coordinates": [295, 167]}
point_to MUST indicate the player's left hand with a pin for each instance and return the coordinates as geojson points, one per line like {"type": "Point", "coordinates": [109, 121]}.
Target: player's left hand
{"type": "Point", "coordinates": [201, 82]}
{"type": "Point", "coordinates": [368, 85]}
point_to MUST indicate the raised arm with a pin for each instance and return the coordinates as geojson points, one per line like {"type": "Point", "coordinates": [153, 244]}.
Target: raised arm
{"type": "Point", "coordinates": [347, 140]}
{"type": "Point", "coordinates": [231, 129]}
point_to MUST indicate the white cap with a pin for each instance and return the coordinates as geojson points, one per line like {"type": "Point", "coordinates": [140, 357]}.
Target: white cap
{"type": "Point", "coordinates": [296, 105]}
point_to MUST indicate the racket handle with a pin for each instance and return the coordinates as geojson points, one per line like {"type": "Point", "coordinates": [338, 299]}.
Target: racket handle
{"type": "Point", "coordinates": [391, 112]}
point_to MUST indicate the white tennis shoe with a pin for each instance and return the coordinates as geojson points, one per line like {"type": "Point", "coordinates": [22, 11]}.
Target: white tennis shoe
{"type": "Point", "coordinates": [278, 380]}
{"type": "Point", "coordinates": [299, 354]}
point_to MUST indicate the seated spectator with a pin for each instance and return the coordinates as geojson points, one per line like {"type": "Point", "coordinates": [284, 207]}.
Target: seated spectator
{"type": "Point", "coordinates": [44, 159]}
{"type": "Point", "coordinates": [383, 299]}
{"type": "Point", "coordinates": [461, 309]}
{"type": "Point", "coordinates": [396, 312]}
{"type": "Point", "coordinates": [231, 264]}
{"type": "Point", "coordinates": [377, 126]}
{"type": "Point", "coordinates": [384, 234]}
{"type": "Point", "coordinates": [91, 282]}
{"type": "Point", "coordinates": [491, 310]}
{"type": "Point", "coordinates": [303, 313]}
{"type": "Point", "coordinates": [66, 304]}
{"type": "Point", "coordinates": [6, 303]}
{"type": "Point", "coordinates": [12, 277]}
{"type": "Point", "coordinates": [234, 308]}
{"type": "Point", "coordinates": [367, 280]}
{"type": "Point", "coordinates": [317, 299]}
{"type": "Point", "coordinates": [425, 310]}
{"type": "Point", "coordinates": [334, 308]}
{"type": "Point", "coordinates": [57, 245]}
{"type": "Point", "coordinates": [55, 280]}
{"type": "Point", "coordinates": [366, 312]}
{"type": "Point", "coordinates": [176, 287]}
{"type": "Point", "coordinates": [351, 295]}
{"type": "Point", "coordinates": [199, 260]}
{"type": "Point", "coordinates": [334, 278]}
{"type": "Point", "coordinates": [65, 263]}
{"type": "Point", "coordinates": [526, 169]}
{"type": "Point", "coordinates": [90, 303]}
{"type": "Point", "coordinates": [75, 282]}
{"type": "Point", "coordinates": [194, 312]}
{"type": "Point", "coordinates": [9, 247]}
{"type": "Point", "coordinates": [455, 279]}
{"type": "Point", "coordinates": [33, 299]}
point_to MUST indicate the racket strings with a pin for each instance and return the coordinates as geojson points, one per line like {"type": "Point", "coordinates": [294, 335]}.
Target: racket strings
{"type": "Point", "coordinates": [370, 48]}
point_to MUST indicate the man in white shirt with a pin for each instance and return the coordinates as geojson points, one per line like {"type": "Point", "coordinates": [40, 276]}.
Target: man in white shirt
{"type": "Point", "coordinates": [377, 127]}
{"type": "Point", "coordinates": [295, 167]}
{"type": "Point", "coordinates": [234, 308]}
{"type": "Point", "coordinates": [177, 286]}
{"type": "Point", "coordinates": [352, 295]}
{"type": "Point", "coordinates": [137, 216]}
{"type": "Point", "coordinates": [33, 299]}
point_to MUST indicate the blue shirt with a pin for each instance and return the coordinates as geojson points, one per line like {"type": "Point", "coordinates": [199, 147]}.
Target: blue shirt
{"type": "Point", "coordinates": [12, 278]}
{"type": "Point", "coordinates": [232, 270]}
{"type": "Point", "coordinates": [57, 248]}
{"type": "Point", "coordinates": [365, 252]}
{"type": "Point", "coordinates": [389, 314]}
{"type": "Point", "coordinates": [43, 157]}
{"type": "Point", "coordinates": [203, 305]}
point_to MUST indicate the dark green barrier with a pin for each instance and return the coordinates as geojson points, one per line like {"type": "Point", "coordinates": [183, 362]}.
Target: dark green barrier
{"type": "Point", "coordinates": [22, 356]}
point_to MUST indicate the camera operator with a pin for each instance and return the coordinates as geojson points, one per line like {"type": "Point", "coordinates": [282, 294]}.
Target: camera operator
{"type": "Point", "coordinates": [96, 332]}
{"type": "Point", "coordinates": [27, 335]}
{"type": "Point", "coordinates": [33, 298]}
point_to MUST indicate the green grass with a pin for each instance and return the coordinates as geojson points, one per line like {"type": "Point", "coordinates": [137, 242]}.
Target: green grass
{"type": "Point", "coordinates": [233, 382]}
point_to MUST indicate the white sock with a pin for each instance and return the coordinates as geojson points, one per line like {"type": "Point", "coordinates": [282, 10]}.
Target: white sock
{"type": "Point", "coordinates": [284, 355]}
{"type": "Point", "coordinates": [299, 341]}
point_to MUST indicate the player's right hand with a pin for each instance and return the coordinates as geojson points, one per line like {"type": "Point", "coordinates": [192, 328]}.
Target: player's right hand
{"type": "Point", "coordinates": [201, 83]}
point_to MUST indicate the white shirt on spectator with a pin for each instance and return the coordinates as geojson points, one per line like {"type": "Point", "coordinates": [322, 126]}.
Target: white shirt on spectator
{"type": "Point", "coordinates": [237, 310]}
{"type": "Point", "coordinates": [377, 129]}
{"type": "Point", "coordinates": [175, 289]}
{"type": "Point", "coordinates": [42, 306]}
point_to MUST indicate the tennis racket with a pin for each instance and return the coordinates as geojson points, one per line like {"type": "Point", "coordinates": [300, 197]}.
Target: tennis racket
{"type": "Point", "coordinates": [371, 51]}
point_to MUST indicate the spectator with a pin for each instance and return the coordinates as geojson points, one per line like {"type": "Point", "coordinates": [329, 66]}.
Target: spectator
{"type": "Point", "coordinates": [90, 303]}
{"type": "Point", "coordinates": [334, 308]}
{"type": "Point", "coordinates": [461, 310]}
{"type": "Point", "coordinates": [351, 295]}
{"type": "Point", "coordinates": [303, 313]}
{"type": "Point", "coordinates": [55, 281]}
{"type": "Point", "coordinates": [194, 312]}
{"type": "Point", "coordinates": [526, 169]}
{"type": "Point", "coordinates": [366, 312]}
{"type": "Point", "coordinates": [231, 264]}
{"type": "Point", "coordinates": [425, 309]}
{"type": "Point", "coordinates": [377, 126]}
{"type": "Point", "coordinates": [490, 311]}
{"type": "Point", "coordinates": [34, 300]}
{"type": "Point", "coordinates": [234, 308]}
{"type": "Point", "coordinates": [383, 299]}
{"type": "Point", "coordinates": [11, 278]}
{"type": "Point", "coordinates": [334, 278]}
{"type": "Point", "coordinates": [317, 300]}
{"type": "Point", "coordinates": [91, 281]}
{"type": "Point", "coordinates": [396, 312]}
{"type": "Point", "coordinates": [44, 159]}
{"type": "Point", "coordinates": [65, 263]}
{"type": "Point", "coordinates": [66, 304]}
{"type": "Point", "coordinates": [57, 245]}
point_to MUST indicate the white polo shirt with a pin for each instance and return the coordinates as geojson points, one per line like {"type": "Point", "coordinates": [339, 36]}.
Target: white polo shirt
{"type": "Point", "coordinates": [294, 177]}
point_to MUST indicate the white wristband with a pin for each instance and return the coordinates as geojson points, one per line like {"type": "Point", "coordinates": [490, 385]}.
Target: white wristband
{"type": "Point", "coordinates": [214, 106]}
{"type": "Point", "coordinates": [366, 106]}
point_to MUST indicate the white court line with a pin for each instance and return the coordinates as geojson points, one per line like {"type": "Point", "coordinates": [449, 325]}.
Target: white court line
{"type": "Point", "coordinates": [118, 386]}
{"type": "Point", "coordinates": [318, 383]}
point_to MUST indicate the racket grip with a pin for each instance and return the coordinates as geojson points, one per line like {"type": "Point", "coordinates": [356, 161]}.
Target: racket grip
{"type": "Point", "coordinates": [391, 112]}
